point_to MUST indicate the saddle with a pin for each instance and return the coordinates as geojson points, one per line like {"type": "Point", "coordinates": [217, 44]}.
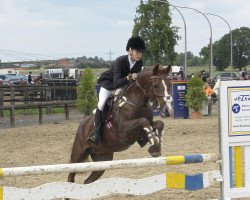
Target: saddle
{"type": "Point", "coordinates": [110, 112]}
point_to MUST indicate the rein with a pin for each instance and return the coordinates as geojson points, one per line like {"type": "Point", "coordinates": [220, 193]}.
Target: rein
{"type": "Point", "coordinates": [146, 92]}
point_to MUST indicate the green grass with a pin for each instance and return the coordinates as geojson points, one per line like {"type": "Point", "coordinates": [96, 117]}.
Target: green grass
{"type": "Point", "coordinates": [34, 111]}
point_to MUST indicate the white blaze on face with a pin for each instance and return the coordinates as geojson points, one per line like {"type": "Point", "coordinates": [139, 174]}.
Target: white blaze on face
{"type": "Point", "coordinates": [166, 95]}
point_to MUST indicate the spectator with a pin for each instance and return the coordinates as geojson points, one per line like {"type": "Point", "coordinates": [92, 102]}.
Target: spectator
{"type": "Point", "coordinates": [175, 77]}
{"type": "Point", "coordinates": [243, 74]}
{"type": "Point", "coordinates": [65, 74]}
{"type": "Point", "coordinates": [181, 74]}
{"type": "Point", "coordinates": [30, 81]}
{"type": "Point", "coordinates": [207, 105]}
{"type": "Point", "coordinates": [203, 75]}
{"type": "Point", "coordinates": [208, 90]}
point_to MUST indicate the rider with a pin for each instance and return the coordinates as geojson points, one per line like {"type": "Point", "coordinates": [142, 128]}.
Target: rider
{"type": "Point", "coordinates": [30, 78]}
{"type": "Point", "coordinates": [124, 70]}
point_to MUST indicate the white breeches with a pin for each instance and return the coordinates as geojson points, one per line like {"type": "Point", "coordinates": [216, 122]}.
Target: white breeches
{"type": "Point", "coordinates": [103, 96]}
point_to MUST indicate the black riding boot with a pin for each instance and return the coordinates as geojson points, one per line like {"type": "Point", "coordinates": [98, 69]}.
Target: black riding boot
{"type": "Point", "coordinates": [96, 135]}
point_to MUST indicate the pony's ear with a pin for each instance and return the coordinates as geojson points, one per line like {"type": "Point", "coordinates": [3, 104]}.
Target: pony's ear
{"type": "Point", "coordinates": [168, 69]}
{"type": "Point", "coordinates": [156, 69]}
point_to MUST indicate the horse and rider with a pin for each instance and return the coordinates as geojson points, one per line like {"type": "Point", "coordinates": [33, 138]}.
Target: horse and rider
{"type": "Point", "coordinates": [36, 81]}
{"type": "Point", "coordinates": [127, 118]}
{"type": "Point", "coordinates": [124, 69]}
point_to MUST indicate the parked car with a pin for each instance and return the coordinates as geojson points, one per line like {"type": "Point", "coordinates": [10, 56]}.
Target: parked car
{"type": "Point", "coordinates": [227, 76]}
{"type": "Point", "coordinates": [14, 80]}
{"type": "Point", "coordinates": [2, 76]}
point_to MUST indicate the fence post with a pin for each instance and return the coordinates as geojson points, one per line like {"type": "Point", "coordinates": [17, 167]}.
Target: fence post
{"type": "Point", "coordinates": [1, 103]}
{"type": "Point", "coordinates": [40, 114]}
{"type": "Point", "coordinates": [66, 109]}
{"type": "Point", "coordinates": [48, 99]}
{"type": "Point", "coordinates": [25, 98]}
{"type": "Point", "coordinates": [12, 116]}
{"type": "Point", "coordinates": [12, 95]}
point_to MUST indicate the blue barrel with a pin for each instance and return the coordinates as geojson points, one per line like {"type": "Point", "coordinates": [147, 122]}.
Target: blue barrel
{"type": "Point", "coordinates": [179, 89]}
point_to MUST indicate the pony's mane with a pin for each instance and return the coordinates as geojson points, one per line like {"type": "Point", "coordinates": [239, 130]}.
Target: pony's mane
{"type": "Point", "coordinates": [145, 71]}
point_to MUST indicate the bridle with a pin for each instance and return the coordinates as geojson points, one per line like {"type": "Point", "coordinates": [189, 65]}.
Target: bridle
{"type": "Point", "coordinates": [148, 97]}
{"type": "Point", "coordinates": [152, 86]}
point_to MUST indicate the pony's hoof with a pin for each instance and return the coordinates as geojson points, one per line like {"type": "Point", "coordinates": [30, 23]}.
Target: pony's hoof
{"type": "Point", "coordinates": [154, 151]}
{"type": "Point", "coordinates": [155, 154]}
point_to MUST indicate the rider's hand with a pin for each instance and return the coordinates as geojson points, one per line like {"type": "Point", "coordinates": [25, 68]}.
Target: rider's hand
{"type": "Point", "coordinates": [134, 76]}
{"type": "Point", "coordinates": [129, 77]}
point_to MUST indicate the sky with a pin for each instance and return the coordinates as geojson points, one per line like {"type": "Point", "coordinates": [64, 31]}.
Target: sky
{"type": "Point", "coordinates": [53, 29]}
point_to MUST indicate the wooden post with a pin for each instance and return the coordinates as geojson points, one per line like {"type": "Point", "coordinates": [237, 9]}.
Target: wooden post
{"type": "Point", "coordinates": [40, 114]}
{"type": "Point", "coordinates": [1, 103]}
{"type": "Point", "coordinates": [66, 109]}
{"type": "Point", "coordinates": [41, 93]}
{"type": "Point", "coordinates": [12, 95]}
{"type": "Point", "coordinates": [25, 98]}
{"type": "Point", "coordinates": [48, 99]}
{"type": "Point", "coordinates": [12, 116]}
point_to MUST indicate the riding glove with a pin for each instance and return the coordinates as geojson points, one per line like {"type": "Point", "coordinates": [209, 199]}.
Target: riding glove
{"type": "Point", "coordinates": [129, 77]}
{"type": "Point", "coordinates": [132, 77]}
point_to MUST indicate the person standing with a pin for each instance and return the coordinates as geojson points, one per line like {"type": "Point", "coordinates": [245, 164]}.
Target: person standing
{"type": "Point", "coordinates": [124, 70]}
{"type": "Point", "coordinates": [181, 74]}
{"type": "Point", "coordinates": [243, 74]}
{"type": "Point", "coordinates": [207, 104]}
{"type": "Point", "coordinates": [30, 78]}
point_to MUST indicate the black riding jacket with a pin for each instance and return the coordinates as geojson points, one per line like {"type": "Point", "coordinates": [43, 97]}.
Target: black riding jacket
{"type": "Point", "coordinates": [116, 76]}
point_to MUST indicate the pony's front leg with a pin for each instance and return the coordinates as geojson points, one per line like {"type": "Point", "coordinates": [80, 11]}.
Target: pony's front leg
{"type": "Point", "coordinates": [158, 129]}
{"type": "Point", "coordinates": [141, 124]}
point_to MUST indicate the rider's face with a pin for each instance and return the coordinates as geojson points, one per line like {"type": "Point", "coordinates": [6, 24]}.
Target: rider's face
{"type": "Point", "coordinates": [135, 55]}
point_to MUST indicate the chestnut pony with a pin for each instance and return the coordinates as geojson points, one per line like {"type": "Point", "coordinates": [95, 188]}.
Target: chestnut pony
{"type": "Point", "coordinates": [131, 120]}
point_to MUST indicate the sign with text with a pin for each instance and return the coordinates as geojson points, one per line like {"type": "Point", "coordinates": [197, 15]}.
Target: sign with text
{"type": "Point", "coordinates": [239, 110]}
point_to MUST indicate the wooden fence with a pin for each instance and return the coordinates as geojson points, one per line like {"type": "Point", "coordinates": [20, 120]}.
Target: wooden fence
{"type": "Point", "coordinates": [30, 97]}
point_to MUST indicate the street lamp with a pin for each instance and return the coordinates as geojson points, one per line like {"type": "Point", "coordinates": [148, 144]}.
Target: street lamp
{"type": "Point", "coordinates": [231, 39]}
{"type": "Point", "coordinates": [185, 37]}
{"type": "Point", "coordinates": [211, 37]}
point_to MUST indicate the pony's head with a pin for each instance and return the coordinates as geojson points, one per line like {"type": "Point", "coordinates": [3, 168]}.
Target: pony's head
{"type": "Point", "coordinates": [156, 84]}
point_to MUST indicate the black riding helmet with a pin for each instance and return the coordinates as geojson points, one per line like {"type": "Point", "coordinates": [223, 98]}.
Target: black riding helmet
{"type": "Point", "coordinates": [136, 43]}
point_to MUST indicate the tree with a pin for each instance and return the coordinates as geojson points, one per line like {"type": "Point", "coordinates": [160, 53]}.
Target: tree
{"type": "Point", "coordinates": [222, 50]}
{"type": "Point", "coordinates": [84, 62]}
{"type": "Point", "coordinates": [153, 24]}
{"type": "Point", "coordinates": [241, 47]}
{"type": "Point", "coordinates": [191, 59]}
{"type": "Point", "coordinates": [195, 93]}
{"type": "Point", "coordinates": [86, 94]}
{"type": "Point", "coordinates": [205, 55]}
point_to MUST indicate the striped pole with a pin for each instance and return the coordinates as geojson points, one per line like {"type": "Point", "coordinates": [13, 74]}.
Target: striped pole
{"type": "Point", "coordinates": [116, 164]}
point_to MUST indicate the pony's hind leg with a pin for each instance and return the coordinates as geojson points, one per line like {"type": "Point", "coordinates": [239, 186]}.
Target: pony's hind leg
{"type": "Point", "coordinates": [76, 158]}
{"type": "Point", "coordinates": [78, 154]}
{"type": "Point", "coordinates": [95, 175]}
